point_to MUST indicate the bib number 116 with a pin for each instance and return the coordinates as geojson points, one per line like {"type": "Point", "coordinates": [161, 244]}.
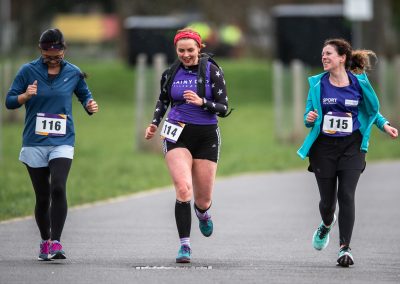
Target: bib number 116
{"type": "Point", "coordinates": [51, 124]}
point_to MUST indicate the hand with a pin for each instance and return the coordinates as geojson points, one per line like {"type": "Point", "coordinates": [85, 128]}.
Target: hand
{"type": "Point", "coordinates": [92, 106]}
{"type": "Point", "coordinates": [150, 131]}
{"type": "Point", "coordinates": [192, 98]}
{"type": "Point", "coordinates": [31, 90]}
{"type": "Point", "coordinates": [312, 116]}
{"type": "Point", "coordinates": [391, 131]}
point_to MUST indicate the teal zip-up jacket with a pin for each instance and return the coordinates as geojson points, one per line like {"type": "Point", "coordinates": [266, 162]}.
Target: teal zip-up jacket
{"type": "Point", "coordinates": [368, 112]}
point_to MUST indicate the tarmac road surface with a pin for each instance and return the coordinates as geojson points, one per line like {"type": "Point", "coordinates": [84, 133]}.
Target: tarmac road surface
{"type": "Point", "coordinates": [263, 224]}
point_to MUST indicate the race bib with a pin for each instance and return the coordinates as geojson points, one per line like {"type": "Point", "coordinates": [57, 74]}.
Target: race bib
{"type": "Point", "coordinates": [338, 123]}
{"type": "Point", "coordinates": [48, 124]}
{"type": "Point", "coordinates": [171, 132]}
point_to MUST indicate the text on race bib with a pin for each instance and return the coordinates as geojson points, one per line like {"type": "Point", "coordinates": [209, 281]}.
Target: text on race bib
{"type": "Point", "coordinates": [171, 132]}
{"type": "Point", "coordinates": [48, 124]}
{"type": "Point", "coordinates": [338, 123]}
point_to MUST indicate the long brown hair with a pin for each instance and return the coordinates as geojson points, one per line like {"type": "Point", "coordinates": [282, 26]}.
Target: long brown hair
{"type": "Point", "coordinates": [357, 61]}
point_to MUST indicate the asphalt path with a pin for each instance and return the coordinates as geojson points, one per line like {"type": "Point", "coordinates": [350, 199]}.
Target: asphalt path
{"type": "Point", "coordinates": [263, 224]}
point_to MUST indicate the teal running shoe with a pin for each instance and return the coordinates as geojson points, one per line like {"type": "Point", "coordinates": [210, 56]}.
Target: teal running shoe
{"type": "Point", "coordinates": [44, 250]}
{"type": "Point", "coordinates": [205, 223]}
{"type": "Point", "coordinates": [56, 250]}
{"type": "Point", "coordinates": [206, 227]}
{"type": "Point", "coordinates": [321, 235]}
{"type": "Point", "coordinates": [345, 257]}
{"type": "Point", "coordinates": [184, 254]}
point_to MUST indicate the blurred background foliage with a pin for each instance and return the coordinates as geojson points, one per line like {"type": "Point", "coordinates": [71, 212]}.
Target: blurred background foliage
{"type": "Point", "coordinates": [22, 21]}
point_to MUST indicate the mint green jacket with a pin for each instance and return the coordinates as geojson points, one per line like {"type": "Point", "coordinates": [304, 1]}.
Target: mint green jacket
{"type": "Point", "coordinates": [368, 112]}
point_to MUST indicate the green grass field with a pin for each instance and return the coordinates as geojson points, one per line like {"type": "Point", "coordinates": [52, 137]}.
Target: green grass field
{"type": "Point", "coordinates": [106, 163]}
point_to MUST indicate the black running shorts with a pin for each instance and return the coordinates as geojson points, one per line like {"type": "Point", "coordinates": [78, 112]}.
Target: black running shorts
{"type": "Point", "coordinates": [202, 141]}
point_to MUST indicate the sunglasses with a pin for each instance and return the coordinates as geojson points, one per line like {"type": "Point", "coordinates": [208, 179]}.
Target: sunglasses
{"type": "Point", "coordinates": [57, 58]}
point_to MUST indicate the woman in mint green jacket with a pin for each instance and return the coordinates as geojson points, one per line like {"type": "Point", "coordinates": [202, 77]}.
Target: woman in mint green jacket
{"type": "Point", "coordinates": [341, 110]}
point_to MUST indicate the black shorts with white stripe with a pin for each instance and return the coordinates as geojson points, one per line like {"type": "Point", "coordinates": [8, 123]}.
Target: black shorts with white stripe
{"type": "Point", "coordinates": [202, 141]}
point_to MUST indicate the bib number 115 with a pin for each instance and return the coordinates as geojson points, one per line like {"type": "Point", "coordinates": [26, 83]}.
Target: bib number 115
{"type": "Point", "coordinates": [337, 124]}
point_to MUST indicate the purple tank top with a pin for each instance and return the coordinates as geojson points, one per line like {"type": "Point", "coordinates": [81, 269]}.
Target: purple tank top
{"type": "Point", "coordinates": [186, 79]}
{"type": "Point", "coordinates": [340, 102]}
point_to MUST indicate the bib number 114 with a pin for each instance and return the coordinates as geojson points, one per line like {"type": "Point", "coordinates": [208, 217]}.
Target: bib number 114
{"type": "Point", "coordinates": [171, 131]}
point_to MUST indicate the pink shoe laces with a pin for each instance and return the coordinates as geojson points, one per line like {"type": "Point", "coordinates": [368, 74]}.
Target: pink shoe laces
{"type": "Point", "coordinates": [55, 246]}
{"type": "Point", "coordinates": [44, 247]}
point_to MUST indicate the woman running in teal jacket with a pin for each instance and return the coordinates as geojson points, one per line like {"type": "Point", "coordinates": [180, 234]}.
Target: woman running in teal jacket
{"type": "Point", "coordinates": [341, 109]}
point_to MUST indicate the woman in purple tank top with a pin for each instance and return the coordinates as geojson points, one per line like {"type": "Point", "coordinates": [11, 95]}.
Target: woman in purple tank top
{"type": "Point", "coordinates": [191, 134]}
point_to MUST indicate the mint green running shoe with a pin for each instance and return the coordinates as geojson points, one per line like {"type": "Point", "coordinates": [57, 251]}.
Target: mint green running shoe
{"type": "Point", "coordinates": [184, 254]}
{"type": "Point", "coordinates": [345, 258]}
{"type": "Point", "coordinates": [321, 235]}
{"type": "Point", "coordinates": [206, 227]}
{"type": "Point", "coordinates": [205, 223]}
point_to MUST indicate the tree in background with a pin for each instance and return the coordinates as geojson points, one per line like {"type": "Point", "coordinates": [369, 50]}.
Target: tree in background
{"type": "Point", "coordinates": [31, 17]}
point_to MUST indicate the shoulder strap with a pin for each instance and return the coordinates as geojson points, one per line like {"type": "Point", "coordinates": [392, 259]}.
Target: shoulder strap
{"type": "Point", "coordinates": [170, 74]}
{"type": "Point", "coordinates": [201, 75]}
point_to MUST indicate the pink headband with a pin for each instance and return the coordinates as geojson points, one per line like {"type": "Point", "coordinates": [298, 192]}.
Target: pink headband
{"type": "Point", "coordinates": [191, 35]}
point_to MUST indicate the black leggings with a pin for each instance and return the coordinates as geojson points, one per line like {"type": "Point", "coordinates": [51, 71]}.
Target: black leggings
{"type": "Point", "coordinates": [51, 206]}
{"type": "Point", "coordinates": [341, 188]}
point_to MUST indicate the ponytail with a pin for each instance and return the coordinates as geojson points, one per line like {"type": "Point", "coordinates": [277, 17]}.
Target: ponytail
{"type": "Point", "coordinates": [360, 60]}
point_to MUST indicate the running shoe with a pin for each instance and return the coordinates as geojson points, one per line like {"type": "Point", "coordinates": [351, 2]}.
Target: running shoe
{"type": "Point", "coordinates": [206, 227]}
{"type": "Point", "coordinates": [205, 222]}
{"type": "Point", "coordinates": [56, 250]}
{"type": "Point", "coordinates": [184, 254]}
{"type": "Point", "coordinates": [345, 258]}
{"type": "Point", "coordinates": [321, 235]}
{"type": "Point", "coordinates": [44, 250]}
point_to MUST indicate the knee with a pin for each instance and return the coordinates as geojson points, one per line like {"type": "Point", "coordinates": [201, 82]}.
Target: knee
{"type": "Point", "coordinates": [183, 191]}
{"type": "Point", "coordinates": [327, 208]}
{"type": "Point", "coordinates": [346, 199]}
{"type": "Point", "coordinates": [203, 202]}
{"type": "Point", "coordinates": [58, 189]}
{"type": "Point", "coordinates": [43, 201]}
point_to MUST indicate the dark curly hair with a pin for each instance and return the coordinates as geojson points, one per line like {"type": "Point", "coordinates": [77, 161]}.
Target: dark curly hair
{"type": "Point", "coordinates": [357, 61]}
